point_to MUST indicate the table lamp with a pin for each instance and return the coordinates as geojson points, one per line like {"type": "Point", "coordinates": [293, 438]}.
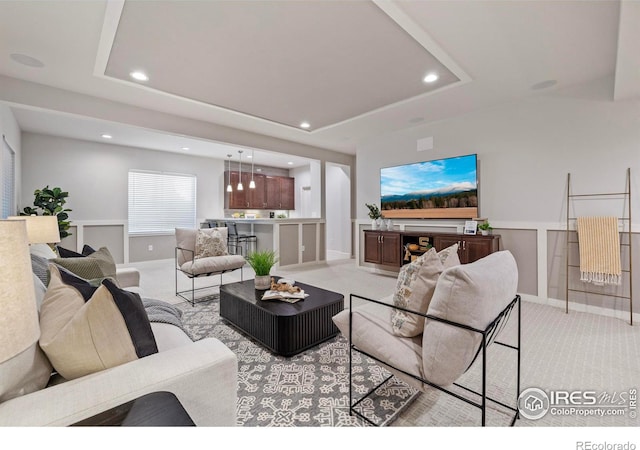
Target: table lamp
{"type": "Point", "coordinates": [41, 229]}
{"type": "Point", "coordinates": [19, 328]}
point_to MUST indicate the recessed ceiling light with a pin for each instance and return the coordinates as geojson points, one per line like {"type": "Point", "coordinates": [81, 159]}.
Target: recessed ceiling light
{"type": "Point", "coordinates": [185, 148]}
{"type": "Point", "coordinates": [305, 125]}
{"type": "Point", "coordinates": [139, 75]}
{"type": "Point", "coordinates": [290, 163]}
{"type": "Point", "coordinates": [249, 156]}
{"type": "Point", "coordinates": [106, 136]}
{"type": "Point", "coordinates": [258, 169]}
{"type": "Point", "coordinates": [26, 60]}
{"type": "Point", "coordinates": [430, 78]}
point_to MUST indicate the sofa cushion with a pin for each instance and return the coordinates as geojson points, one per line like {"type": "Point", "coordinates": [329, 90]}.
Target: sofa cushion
{"type": "Point", "coordinates": [210, 242]}
{"type": "Point", "coordinates": [414, 289]}
{"type": "Point", "coordinates": [469, 294]}
{"type": "Point", "coordinates": [85, 329]}
{"type": "Point", "coordinates": [95, 267]}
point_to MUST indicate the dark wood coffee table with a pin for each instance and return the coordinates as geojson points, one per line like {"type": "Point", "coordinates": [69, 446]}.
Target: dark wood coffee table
{"type": "Point", "coordinates": [284, 328]}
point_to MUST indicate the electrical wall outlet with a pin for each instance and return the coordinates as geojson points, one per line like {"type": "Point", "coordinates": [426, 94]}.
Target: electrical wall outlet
{"type": "Point", "coordinates": [302, 248]}
{"type": "Point", "coordinates": [150, 248]}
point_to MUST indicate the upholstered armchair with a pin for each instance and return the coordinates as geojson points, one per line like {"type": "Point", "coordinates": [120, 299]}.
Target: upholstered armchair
{"type": "Point", "coordinates": [469, 306]}
{"type": "Point", "coordinates": [202, 253]}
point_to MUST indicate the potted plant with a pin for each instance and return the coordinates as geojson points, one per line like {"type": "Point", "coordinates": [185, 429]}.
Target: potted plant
{"type": "Point", "coordinates": [50, 202]}
{"type": "Point", "coordinates": [485, 228]}
{"type": "Point", "coordinates": [374, 215]}
{"type": "Point", "coordinates": [261, 262]}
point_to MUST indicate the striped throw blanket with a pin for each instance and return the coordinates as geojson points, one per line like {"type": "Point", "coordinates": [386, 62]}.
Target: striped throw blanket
{"type": "Point", "coordinates": [599, 244]}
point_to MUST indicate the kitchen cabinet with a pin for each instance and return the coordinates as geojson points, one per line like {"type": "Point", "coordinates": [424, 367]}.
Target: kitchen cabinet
{"type": "Point", "coordinates": [271, 192]}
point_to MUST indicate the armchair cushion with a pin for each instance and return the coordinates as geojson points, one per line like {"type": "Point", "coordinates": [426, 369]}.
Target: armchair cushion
{"type": "Point", "coordinates": [86, 329]}
{"type": "Point", "coordinates": [214, 264]}
{"type": "Point", "coordinates": [469, 294]}
{"type": "Point", "coordinates": [373, 334]}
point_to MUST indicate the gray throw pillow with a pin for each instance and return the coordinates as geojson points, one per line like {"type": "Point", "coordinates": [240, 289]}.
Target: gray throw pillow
{"type": "Point", "coordinates": [40, 268]}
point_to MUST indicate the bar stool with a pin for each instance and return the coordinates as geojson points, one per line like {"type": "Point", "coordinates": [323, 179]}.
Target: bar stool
{"type": "Point", "coordinates": [240, 241]}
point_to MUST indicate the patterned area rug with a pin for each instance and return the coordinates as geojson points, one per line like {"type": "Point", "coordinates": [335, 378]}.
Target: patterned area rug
{"type": "Point", "coordinates": [310, 389]}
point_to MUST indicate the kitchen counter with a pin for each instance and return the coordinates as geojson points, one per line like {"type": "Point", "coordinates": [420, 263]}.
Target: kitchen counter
{"type": "Point", "coordinates": [296, 240]}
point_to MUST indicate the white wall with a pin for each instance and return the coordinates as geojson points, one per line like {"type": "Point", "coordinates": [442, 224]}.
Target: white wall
{"type": "Point", "coordinates": [96, 177]}
{"type": "Point", "coordinates": [11, 132]}
{"type": "Point", "coordinates": [525, 151]}
{"type": "Point", "coordinates": [307, 201]}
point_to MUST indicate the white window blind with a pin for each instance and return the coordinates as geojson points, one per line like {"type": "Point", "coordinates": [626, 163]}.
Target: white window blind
{"type": "Point", "coordinates": [160, 202]}
{"type": "Point", "coordinates": [8, 180]}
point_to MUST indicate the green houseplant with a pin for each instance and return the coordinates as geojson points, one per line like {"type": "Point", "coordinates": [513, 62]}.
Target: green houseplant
{"type": "Point", "coordinates": [485, 228]}
{"type": "Point", "coordinates": [50, 202]}
{"type": "Point", "coordinates": [261, 262]}
{"type": "Point", "coordinates": [374, 215]}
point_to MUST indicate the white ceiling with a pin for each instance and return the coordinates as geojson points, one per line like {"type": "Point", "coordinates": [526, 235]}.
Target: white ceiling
{"type": "Point", "coordinates": [353, 78]}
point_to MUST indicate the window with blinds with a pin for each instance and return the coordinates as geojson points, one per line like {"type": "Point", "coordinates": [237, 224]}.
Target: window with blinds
{"type": "Point", "coordinates": [8, 181]}
{"type": "Point", "coordinates": [160, 202]}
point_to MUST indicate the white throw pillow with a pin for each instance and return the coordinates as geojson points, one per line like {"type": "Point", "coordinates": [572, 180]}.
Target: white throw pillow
{"type": "Point", "coordinates": [210, 242]}
{"type": "Point", "coordinates": [414, 289]}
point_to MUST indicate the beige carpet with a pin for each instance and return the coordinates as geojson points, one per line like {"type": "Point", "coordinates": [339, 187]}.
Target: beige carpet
{"type": "Point", "coordinates": [575, 351]}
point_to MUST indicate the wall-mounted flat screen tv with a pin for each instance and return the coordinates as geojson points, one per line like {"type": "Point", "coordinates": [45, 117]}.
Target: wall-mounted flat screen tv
{"type": "Point", "coordinates": [438, 189]}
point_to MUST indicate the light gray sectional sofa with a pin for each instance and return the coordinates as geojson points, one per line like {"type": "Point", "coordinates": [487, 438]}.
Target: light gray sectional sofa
{"type": "Point", "coordinates": [202, 375]}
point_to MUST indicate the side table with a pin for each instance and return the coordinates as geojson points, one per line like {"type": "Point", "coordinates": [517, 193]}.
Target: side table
{"type": "Point", "coordinates": [157, 409]}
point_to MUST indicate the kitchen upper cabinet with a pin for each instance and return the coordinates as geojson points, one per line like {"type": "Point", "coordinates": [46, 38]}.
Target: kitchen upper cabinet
{"type": "Point", "coordinates": [280, 192]}
{"type": "Point", "coordinates": [271, 192]}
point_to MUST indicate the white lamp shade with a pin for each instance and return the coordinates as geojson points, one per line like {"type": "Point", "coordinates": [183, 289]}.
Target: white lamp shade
{"type": "Point", "coordinates": [41, 229]}
{"type": "Point", "coordinates": [19, 328]}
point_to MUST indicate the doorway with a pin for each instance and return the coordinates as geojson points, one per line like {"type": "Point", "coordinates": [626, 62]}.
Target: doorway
{"type": "Point", "coordinates": [338, 211]}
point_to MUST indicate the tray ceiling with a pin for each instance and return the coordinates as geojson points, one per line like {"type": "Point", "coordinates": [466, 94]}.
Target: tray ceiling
{"type": "Point", "coordinates": [281, 61]}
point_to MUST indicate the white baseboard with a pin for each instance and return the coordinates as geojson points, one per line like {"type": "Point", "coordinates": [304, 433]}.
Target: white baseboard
{"type": "Point", "coordinates": [580, 307]}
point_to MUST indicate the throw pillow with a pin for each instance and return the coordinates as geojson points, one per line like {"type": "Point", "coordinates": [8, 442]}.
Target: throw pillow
{"type": "Point", "coordinates": [66, 253]}
{"type": "Point", "coordinates": [95, 267]}
{"type": "Point", "coordinates": [85, 329]}
{"type": "Point", "coordinates": [40, 268]}
{"type": "Point", "coordinates": [414, 289]}
{"type": "Point", "coordinates": [210, 242]}
{"type": "Point", "coordinates": [87, 250]}
{"type": "Point", "coordinates": [449, 256]}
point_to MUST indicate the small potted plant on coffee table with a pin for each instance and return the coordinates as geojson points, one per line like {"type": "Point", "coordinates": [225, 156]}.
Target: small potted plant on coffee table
{"type": "Point", "coordinates": [261, 262]}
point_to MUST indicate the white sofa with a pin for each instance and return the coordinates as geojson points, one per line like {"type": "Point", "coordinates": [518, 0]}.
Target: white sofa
{"type": "Point", "coordinates": [202, 375]}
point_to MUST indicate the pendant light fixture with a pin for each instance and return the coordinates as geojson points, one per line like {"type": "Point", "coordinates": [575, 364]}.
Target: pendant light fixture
{"type": "Point", "coordinates": [229, 188]}
{"type": "Point", "coordinates": [252, 185]}
{"type": "Point", "coordinates": [240, 187]}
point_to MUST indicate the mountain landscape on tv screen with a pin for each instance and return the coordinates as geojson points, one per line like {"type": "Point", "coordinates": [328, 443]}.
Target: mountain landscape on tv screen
{"type": "Point", "coordinates": [450, 197]}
